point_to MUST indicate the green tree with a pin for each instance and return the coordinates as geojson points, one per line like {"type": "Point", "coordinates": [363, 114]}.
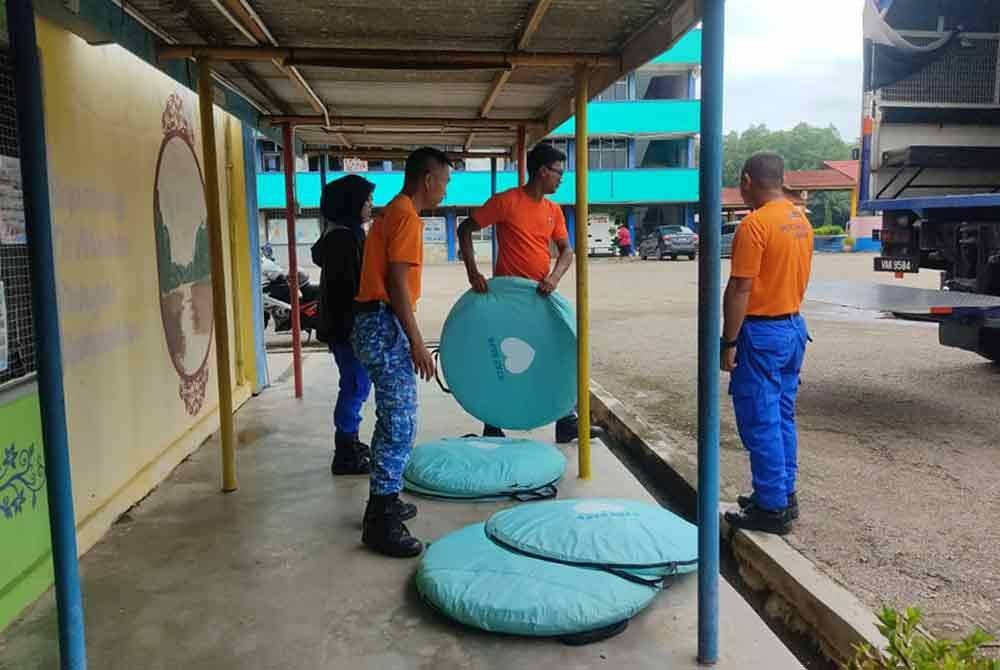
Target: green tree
{"type": "Point", "coordinates": [804, 147]}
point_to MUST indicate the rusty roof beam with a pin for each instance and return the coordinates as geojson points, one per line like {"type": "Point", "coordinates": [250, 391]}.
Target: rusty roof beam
{"type": "Point", "coordinates": [242, 16]}
{"type": "Point", "coordinates": [388, 59]}
{"type": "Point", "coordinates": [389, 154]}
{"type": "Point", "coordinates": [401, 121]}
{"type": "Point", "coordinates": [535, 16]}
{"type": "Point", "coordinates": [494, 93]}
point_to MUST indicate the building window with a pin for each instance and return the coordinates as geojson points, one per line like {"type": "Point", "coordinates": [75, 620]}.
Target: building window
{"type": "Point", "coordinates": [270, 157]}
{"type": "Point", "coordinates": [333, 163]}
{"type": "Point", "coordinates": [17, 335]}
{"type": "Point", "coordinates": [617, 91]}
{"type": "Point", "coordinates": [561, 145]}
{"type": "Point", "coordinates": [654, 86]}
{"type": "Point", "coordinates": [608, 154]}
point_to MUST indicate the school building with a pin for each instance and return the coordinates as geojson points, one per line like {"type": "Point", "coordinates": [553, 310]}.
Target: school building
{"type": "Point", "coordinates": [642, 156]}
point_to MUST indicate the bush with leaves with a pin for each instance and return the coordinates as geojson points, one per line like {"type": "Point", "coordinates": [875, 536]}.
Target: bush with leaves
{"type": "Point", "coordinates": [828, 230]}
{"type": "Point", "coordinates": [908, 648]}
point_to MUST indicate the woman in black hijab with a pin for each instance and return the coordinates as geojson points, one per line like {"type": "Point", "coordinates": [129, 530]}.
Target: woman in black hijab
{"type": "Point", "coordinates": [345, 205]}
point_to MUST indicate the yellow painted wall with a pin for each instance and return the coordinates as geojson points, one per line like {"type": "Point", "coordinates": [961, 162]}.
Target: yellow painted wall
{"type": "Point", "coordinates": [128, 425]}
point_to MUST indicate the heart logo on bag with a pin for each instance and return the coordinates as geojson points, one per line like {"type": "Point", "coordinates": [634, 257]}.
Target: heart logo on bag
{"type": "Point", "coordinates": [518, 355]}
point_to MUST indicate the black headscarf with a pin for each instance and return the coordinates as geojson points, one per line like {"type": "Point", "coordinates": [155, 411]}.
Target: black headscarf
{"type": "Point", "coordinates": [342, 200]}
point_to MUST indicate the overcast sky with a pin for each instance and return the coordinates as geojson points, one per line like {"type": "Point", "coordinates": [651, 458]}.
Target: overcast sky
{"type": "Point", "coordinates": [793, 60]}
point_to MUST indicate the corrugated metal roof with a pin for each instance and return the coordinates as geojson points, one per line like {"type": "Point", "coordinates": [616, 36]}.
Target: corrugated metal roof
{"type": "Point", "coordinates": [633, 30]}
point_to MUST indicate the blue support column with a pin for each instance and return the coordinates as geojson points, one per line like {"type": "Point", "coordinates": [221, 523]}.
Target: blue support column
{"type": "Point", "coordinates": [630, 222]}
{"type": "Point", "coordinates": [630, 153]}
{"type": "Point", "coordinates": [709, 328]}
{"type": "Point", "coordinates": [253, 225]}
{"type": "Point", "coordinates": [571, 155]}
{"type": "Point", "coordinates": [570, 214]}
{"type": "Point", "coordinates": [322, 173]}
{"type": "Point", "coordinates": [38, 222]}
{"type": "Point", "coordinates": [450, 225]}
{"type": "Point", "coordinates": [493, 191]}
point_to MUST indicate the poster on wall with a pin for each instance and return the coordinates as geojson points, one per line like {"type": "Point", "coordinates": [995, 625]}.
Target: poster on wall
{"type": "Point", "coordinates": [434, 229]}
{"type": "Point", "coordinates": [4, 358]}
{"type": "Point", "coordinates": [12, 230]}
{"type": "Point", "coordinates": [180, 221]}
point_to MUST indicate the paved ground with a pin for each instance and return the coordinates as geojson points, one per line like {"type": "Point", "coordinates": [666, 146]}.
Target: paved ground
{"type": "Point", "coordinates": [273, 576]}
{"type": "Point", "coordinates": [900, 437]}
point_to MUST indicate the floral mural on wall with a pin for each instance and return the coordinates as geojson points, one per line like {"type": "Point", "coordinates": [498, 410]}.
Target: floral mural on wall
{"type": "Point", "coordinates": [180, 217]}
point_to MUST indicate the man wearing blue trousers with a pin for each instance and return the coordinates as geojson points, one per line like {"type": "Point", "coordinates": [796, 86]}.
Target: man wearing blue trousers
{"type": "Point", "coordinates": [764, 341]}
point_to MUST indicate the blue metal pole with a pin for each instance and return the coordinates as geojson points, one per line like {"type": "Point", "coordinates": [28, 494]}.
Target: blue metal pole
{"type": "Point", "coordinates": [570, 214]}
{"type": "Point", "coordinates": [256, 281]}
{"type": "Point", "coordinates": [709, 328]}
{"type": "Point", "coordinates": [450, 231]}
{"type": "Point", "coordinates": [38, 221]}
{"type": "Point", "coordinates": [493, 191]}
{"type": "Point", "coordinates": [630, 221]}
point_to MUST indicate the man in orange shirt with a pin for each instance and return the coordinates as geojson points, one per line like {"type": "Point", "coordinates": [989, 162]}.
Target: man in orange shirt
{"type": "Point", "coordinates": [389, 345]}
{"type": "Point", "coordinates": [764, 341]}
{"type": "Point", "coordinates": [525, 222]}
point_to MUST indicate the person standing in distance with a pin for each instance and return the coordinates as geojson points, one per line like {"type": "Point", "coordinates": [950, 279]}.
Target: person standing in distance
{"type": "Point", "coordinates": [388, 343]}
{"type": "Point", "coordinates": [525, 222]}
{"type": "Point", "coordinates": [764, 341]}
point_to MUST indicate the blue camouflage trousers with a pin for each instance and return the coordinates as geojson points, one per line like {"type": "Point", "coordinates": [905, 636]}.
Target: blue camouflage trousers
{"type": "Point", "coordinates": [384, 351]}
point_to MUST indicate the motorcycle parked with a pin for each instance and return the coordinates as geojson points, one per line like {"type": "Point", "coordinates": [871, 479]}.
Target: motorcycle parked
{"type": "Point", "coordinates": [277, 300]}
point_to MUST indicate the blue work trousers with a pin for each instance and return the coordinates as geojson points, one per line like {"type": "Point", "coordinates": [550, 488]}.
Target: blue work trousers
{"type": "Point", "coordinates": [764, 386]}
{"type": "Point", "coordinates": [355, 387]}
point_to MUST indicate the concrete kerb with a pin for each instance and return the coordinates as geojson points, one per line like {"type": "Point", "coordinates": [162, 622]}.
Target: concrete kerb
{"type": "Point", "coordinates": [794, 590]}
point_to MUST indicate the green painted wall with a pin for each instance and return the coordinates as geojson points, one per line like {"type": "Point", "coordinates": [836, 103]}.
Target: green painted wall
{"type": "Point", "coordinates": [25, 549]}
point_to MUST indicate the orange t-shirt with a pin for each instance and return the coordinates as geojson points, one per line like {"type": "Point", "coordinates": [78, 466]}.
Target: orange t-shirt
{"type": "Point", "coordinates": [395, 237]}
{"type": "Point", "coordinates": [774, 247]}
{"type": "Point", "coordinates": [524, 227]}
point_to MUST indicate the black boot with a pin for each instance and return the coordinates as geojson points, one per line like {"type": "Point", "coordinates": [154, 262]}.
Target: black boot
{"type": "Point", "coordinates": [492, 431]}
{"type": "Point", "coordinates": [568, 429]}
{"type": "Point", "coordinates": [351, 456]}
{"type": "Point", "coordinates": [384, 532]}
{"type": "Point", "coordinates": [753, 517]}
{"type": "Point", "coordinates": [792, 509]}
{"type": "Point", "coordinates": [403, 510]}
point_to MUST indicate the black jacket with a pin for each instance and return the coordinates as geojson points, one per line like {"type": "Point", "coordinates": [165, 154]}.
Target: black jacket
{"type": "Point", "coordinates": [338, 253]}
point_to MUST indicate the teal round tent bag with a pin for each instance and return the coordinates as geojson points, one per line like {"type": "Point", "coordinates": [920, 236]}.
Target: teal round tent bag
{"type": "Point", "coordinates": [476, 582]}
{"type": "Point", "coordinates": [484, 468]}
{"type": "Point", "coordinates": [635, 540]}
{"type": "Point", "coordinates": [509, 355]}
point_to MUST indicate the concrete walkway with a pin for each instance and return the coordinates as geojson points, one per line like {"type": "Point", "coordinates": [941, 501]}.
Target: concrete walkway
{"type": "Point", "coordinates": [274, 576]}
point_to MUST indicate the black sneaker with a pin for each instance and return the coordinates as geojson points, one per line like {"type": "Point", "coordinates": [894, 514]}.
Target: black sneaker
{"type": "Point", "coordinates": [753, 517]}
{"type": "Point", "coordinates": [793, 505]}
{"type": "Point", "coordinates": [385, 533]}
{"type": "Point", "coordinates": [351, 457]}
{"type": "Point", "coordinates": [492, 431]}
